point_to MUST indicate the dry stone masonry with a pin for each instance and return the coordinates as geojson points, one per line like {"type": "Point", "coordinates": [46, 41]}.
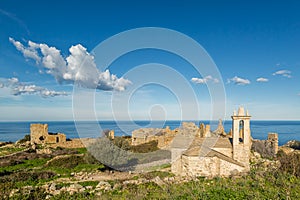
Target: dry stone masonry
{"type": "Point", "coordinates": [215, 153]}
{"type": "Point", "coordinates": [39, 135]}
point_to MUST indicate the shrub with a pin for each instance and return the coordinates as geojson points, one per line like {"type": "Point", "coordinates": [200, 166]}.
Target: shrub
{"type": "Point", "coordinates": [68, 162]}
{"type": "Point", "coordinates": [25, 139]}
{"type": "Point", "coordinates": [290, 163]}
{"type": "Point", "coordinates": [145, 148]}
{"type": "Point", "coordinates": [109, 154]}
{"type": "Point", "coordinates": [295, 145]}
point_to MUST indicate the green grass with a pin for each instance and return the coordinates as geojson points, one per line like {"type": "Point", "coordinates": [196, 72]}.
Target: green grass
{"type": "Point", "coordinates": [89, 183]}
{"type": "Point", "coordinates": [9, 150]}
{"type": "Point", "coordinates": [282, 183]}
{"type": "Point", "coordinates": [73, 163]}
{"type": "Point", "coordinates": [271, 186]}
{"type": "Point", "coordinates": [81, 150]}
{"type": "Point", "coordinates": [25, 165]}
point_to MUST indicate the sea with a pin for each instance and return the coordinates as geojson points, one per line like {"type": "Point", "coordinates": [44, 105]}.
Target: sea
{"type": "Point", "coordinates": [13, 131]}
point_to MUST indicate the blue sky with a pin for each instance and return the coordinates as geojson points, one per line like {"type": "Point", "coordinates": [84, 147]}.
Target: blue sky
{"type": "Point", "coordinates": [254, 44]}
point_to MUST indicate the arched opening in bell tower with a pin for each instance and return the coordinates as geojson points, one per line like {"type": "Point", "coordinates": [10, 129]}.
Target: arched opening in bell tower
{"type": "Point", "coordinates": [241, 131]}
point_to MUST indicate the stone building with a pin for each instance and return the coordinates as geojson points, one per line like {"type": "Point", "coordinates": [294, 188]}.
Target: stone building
{"type": "Point", "coordinates": [215, 154]}
{"type": "Point", "coordinates": [39, 135]}
{"type": "Point", "coordinates": [163, 136]}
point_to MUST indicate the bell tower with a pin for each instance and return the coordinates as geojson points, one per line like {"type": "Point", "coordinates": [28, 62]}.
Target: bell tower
{"type": "Point", "coordinates": [241, 136]}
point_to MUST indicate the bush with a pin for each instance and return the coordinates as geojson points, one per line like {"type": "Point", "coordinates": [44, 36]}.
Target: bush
{"type": "Point", "coordinates": [25, 139]}
{"type": "Point", "coordinates": [122, 143]}
{"type": "Point", "coordinates": [289, 163]}
{"type": "Point", "coordinates": [109, 154]}
{"type": "Point", "coordinates": [68, 162]}
{"type": "Point", "coordinates": [295, 145]}
{"type": "Point", "coordinates": [27, 176]}
{"type": "Point", "coordinates": [145, 148]}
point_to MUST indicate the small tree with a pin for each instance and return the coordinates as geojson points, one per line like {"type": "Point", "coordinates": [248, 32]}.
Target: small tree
{"type": "Point", "coordinates": [109, 154]}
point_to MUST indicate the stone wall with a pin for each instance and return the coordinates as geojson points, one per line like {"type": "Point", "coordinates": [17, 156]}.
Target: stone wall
{"type": "Point", "coordinates": [208, 167]}
{"type": "Point", "coordinates": [176, 167]}
{"type": "Point", "coordinates": [39, 135]}
{"type": "Point", "coordinates": [74, 143]}
{"type": "Point", "coordinates": [241, 153]}
{"type": "Point", "coordinates": [228, 168]}
{"type": "Point", "coordinates": [200, 166]}
{"type": "Point", "coordinates": [163, 136]}
{"type": "Point", "coordinates": [267, 148]}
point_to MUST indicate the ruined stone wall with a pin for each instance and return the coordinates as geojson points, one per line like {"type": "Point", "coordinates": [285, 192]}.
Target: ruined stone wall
{"type": "Point", "coordinates": [74, 143]}
{"type": "Point", "coordinates": [267, 148]}
{"type": "Point", "coordinates": [204, 130]}
{"type": "Point", "coordinates": [273, 142]}
{"type": "Point", "coordinates": [38, 133]}
{"type": "Point", "coordinates": [163, 136]}
{"type": "Point", "coordinates": [55, 138]}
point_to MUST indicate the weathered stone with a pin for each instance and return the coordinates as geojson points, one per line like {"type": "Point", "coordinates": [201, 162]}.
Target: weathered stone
{"type": "Point", "coordinates": [220, 130]}
{"type": "Point", "coordinates": [52, 187]}
{"type": "Point", "coordinates": [44, 151]}
{"type": "Point", "coordinates": [267, 148]}
{"type": "Point", "coordinates": [117, 186]}
{"type": "Point", "coordinates": [103, 185]}
{"type": "Point", "coordinates": [39, 135]}
{"type": "Point", "coordinates": [75, 188]}
{"type": "Point", "coordinates": [89, 187]}
{"type": "Point", "coordinates": [211, 155]}
{"type": "Point", "coordinates": [158, 181]}
{"type": "Point", "coordinates": [13, 192]}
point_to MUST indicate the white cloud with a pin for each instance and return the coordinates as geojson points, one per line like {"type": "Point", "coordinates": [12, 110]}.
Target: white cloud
{"type": "Point", "coordinates": [204, 80]}
{"type": "Point", "coordinates": [285, 73]}
{"type": "Point", "coordinates": [18, 88]}
{"type": "Point", "coordinates": [79, 66]}
{"type": "Point", "coordinates": [261, 79]}
{"type": "Point", "coordinates": [29, 52]}
{"type": "Point", "coordinates": [239, 81]}
{"type": "Point", "coordinates": [52, 93]}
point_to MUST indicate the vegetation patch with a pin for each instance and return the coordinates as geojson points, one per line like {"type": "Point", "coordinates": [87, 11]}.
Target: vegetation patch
{"type": "Point", "coordinates": [289, 163]}
{"type": "Point", "coordinates": [89, 183]}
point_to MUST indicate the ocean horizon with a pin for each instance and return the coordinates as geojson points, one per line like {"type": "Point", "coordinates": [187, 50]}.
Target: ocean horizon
{"type": "Point", "coordinates": [13, 131]}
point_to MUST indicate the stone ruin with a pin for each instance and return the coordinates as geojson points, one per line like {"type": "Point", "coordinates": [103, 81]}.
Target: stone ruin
{"type": "Point", "coordinates": [39, 135]}
{"type": "Point", "coordinates": [214, 153]}
{"type": "Point", "coordinates": [164, 136]}
{"type": "Point", "coordinates": [267, 148]}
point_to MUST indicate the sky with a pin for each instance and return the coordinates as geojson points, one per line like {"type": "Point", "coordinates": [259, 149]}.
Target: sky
{"type": "Point", "coordinates": [51, 60]}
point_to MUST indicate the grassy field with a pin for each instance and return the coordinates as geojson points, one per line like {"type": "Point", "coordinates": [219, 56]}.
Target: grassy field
{"type": "Point", "coordinates": [32, 170]}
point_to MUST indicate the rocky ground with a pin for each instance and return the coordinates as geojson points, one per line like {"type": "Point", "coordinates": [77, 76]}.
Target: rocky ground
{"type": "Point", "coordinates": [37, 171]}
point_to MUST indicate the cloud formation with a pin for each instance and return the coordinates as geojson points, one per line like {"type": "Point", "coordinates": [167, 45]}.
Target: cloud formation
{"type": "Point", "coordinates": [239, 81]}
{"type": "Point", "coordinates": [204, 80]}
{"type": "Point", "coordinates": [28, 52]}
{"type": "Point", "coordinates": [261, 79]}
{"type": "Point", "coordinates": [19, 88]}
{"type": "Point", "coordinates": [285, 73]}
{"type": "Point", "coordinates": [79, 66]}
